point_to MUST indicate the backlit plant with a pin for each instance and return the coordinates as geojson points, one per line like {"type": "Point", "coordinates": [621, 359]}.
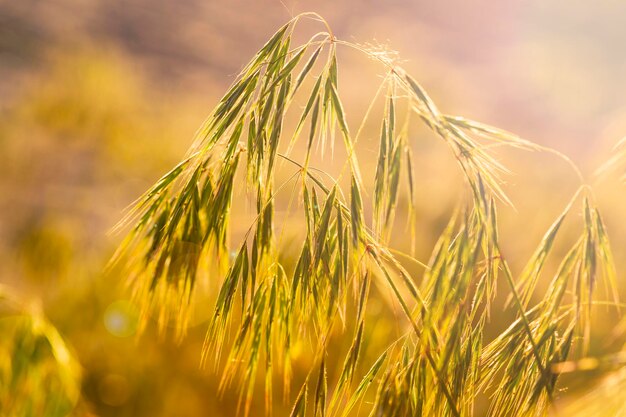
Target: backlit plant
{"type": "Point", "coordinates": [269, 312]}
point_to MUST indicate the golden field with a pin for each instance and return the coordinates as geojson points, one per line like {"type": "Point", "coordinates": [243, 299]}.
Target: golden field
{"type": "Point", "coordinates": [99, 100]}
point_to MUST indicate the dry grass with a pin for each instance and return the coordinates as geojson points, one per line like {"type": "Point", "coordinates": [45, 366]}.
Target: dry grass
{"type": "Point", "coordinates": [38, 373]}
{"type": "Point", "coordinates": [265, 311]}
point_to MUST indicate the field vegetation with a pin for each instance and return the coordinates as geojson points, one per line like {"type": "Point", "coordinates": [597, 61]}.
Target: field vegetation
{"type": "Point", "coordinates": [303, 252]}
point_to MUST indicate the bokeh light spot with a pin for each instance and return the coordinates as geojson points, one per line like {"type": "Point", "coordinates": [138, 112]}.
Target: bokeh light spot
{"type": "Point", "coordinates": [121, 318]}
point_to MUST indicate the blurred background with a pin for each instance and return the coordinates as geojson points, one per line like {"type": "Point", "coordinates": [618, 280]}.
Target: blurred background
{"type": "Point", "coordinates": [98, 99]}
